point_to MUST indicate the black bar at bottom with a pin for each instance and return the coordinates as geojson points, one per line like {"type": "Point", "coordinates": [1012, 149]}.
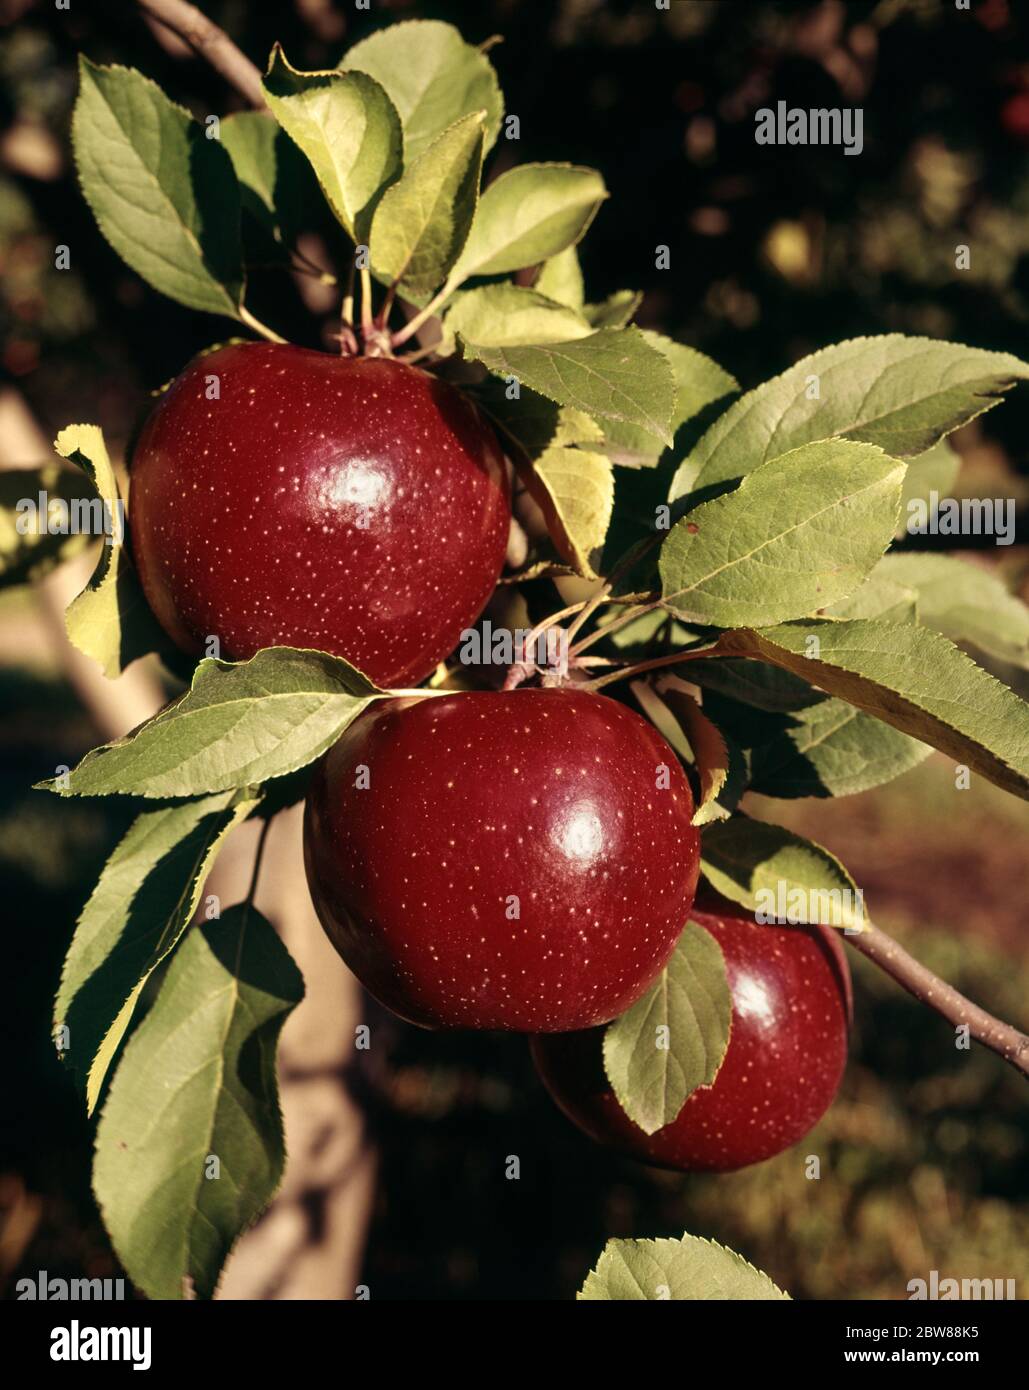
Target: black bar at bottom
{"type": "Point", "coordinates": [279, 1337]}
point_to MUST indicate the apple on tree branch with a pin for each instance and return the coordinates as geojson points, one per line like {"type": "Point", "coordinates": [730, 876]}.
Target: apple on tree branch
{"type": "Point", "coordinates": [490, 845]}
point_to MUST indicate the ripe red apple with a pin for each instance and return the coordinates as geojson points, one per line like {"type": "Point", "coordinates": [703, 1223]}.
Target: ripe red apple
{"type": "Point", "coordinates": [521, 860]}
{"type": "Point", "coordinates": [287, 497]}
{"type": "Point", "coordinates": [791, 1008]}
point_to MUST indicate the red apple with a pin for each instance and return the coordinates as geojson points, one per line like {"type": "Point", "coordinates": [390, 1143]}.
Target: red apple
{"type": "Point", "coordinates": [791, 1007]}
{"type": "Point", "coordinates": [287, 497]}
{"type": "Point", "coordinates": [520, 860]}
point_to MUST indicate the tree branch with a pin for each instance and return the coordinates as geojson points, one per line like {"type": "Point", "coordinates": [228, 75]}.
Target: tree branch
{"type": "Point", "coordinates": [918, 980]}
{"type": "Point", "coordinates": [210, 43]}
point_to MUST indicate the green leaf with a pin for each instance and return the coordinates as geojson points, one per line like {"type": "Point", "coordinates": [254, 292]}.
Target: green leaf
{"type": "Point", "coordinates": [673, 1039]}
{"type": "Point", "coordinates": [832, 749]}
{"type": "Point", "coordinates": [763, 866]}
{"type": "Point", "coordinates": [935, 471]}
{"type": "Point", "coordinates": [681, 1270]}
{"type": "Point", "coordinates": [528, 215]}
{"type": "Point", "coordinates": [189, 1149]}
{"type": "Point", "coordinates": [910, 677]}
{"type": "Point", "coordinates": [256, 145]}
{"type": "Point", "coordinates": [28, 550]}
{"type": "Point", "coordinates": [799, 532]}
{"type": "Point", "coordinates": [699, 380]}
{"type": "Point", "coordinates": [640, 487]}
{"type": "Point", "coordinates": [903, 394]}
{"type": "Point", "coordinates": [280, 195]}
{"type": "Point", "coordinates": [239, 724]}
{"type": "Point", "coordinates": [754, 683]}
{"type": "Point", "coordinates": [611, 375]}
{"type": "Point", "coordinates": [421, 222]}
{"type": "Point", "coordinates": [110, 620]}
{"type": "Point", "coordinates": [615, 311]}
{"type": "Point", "coordinates": [537, 423]}
{"type": "Point", "coordinates": [699, 383]}
{"type": "Point", "coordinates": [346, 125]}
{"type": "Point", "coordinates": [507, 315]}
{"type": "Point", "coordinates": [572, 486]}
{"type": "Point", "coordinates": [145, 898]}
{"type": "Point", "coordinates": [575, 491]}
{"type": "Point", "coordinates": [433, 78]}
{"type": "Point", "coordinates": [163, 194]}
{"type": "Point", "coordinates": [964, 601]}
{"type": "Point", "coordinates": [560, 278]}
{"type": "Point", "coordinates": [878, 597]}
{"type": "Point", "coordinates": [824, 748]}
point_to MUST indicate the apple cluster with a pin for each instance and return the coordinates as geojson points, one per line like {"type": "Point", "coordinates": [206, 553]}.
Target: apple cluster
{"type": "Point", "coordinates": [522, 860]}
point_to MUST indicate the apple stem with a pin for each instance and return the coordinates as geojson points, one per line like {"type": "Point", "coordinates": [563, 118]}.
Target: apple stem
{"type": "Point", "coordinates": [588, 609]}
{"type": "Point", "coordinates": [375, 336]}
{"type": "Point", "coordinates": [1008, 1042]}
{"type": "Point", "coordinates": [637, 610]}
{"type": "Point", "coordinates": [422, 317]}
{"type": "Point", "coordinates": [521, 670]}
{"type": "Point", "coordinates": [387, 306]}
{"type": "Point", "coordinates": [585, 662]}
{"type": "Point", "coordinates": [629, 562]}
{"type": "Point", "coordinates": [418, 356]}
{"type": "Point", "coordinates": [262, 329]}
{"type": "Point", "coordinates": [348, 344]}
{"type": "Point", "coordinates": [347, 307]}
{"type": "Point", "coordinates": [367, 321]}
{"type": "Point", "coordinates": [258, 857]}
{"type": "Point", "coordinates": [672, 659]}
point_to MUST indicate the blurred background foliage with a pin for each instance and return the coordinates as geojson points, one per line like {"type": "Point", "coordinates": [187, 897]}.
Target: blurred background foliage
{"type": "Point", "coordinates": [774, 252]}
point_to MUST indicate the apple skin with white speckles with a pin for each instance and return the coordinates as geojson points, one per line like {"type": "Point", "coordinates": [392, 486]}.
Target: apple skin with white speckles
{"type": "Point", "coordinates": [515, 861]}
{"type": "Point", "coordinates": [358, 506]}
{"type": "Point", "coordinates": [787, 1050]}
